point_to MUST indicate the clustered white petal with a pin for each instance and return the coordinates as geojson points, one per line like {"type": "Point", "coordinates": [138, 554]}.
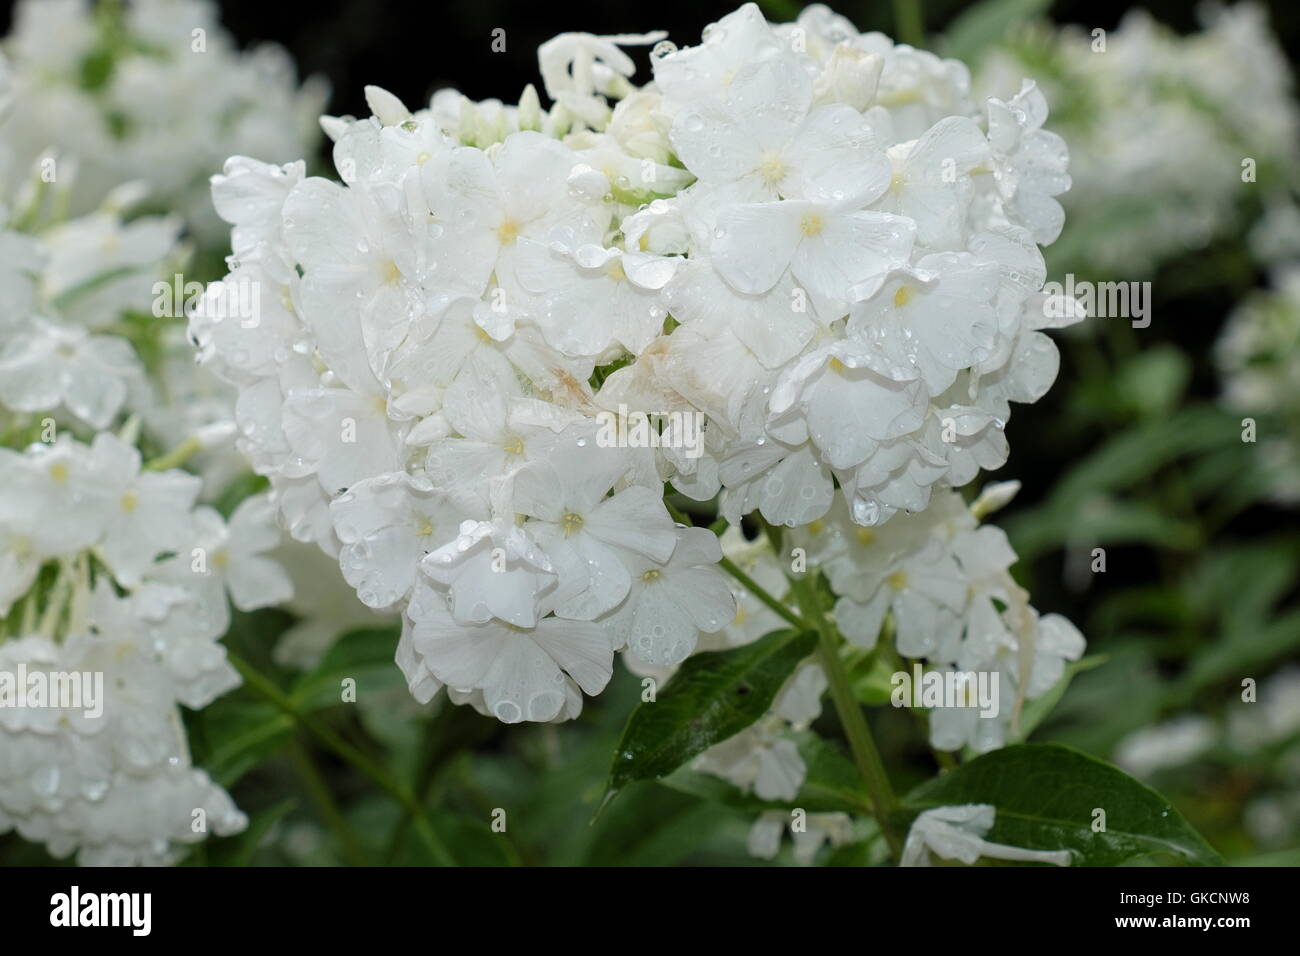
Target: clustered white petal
{"type": "Point", "coordinates": [810, 242]}
{"type": "Point", "coordinates": [114, 573]}
{"type": "Point", "coordinates": [149, 90]}
{"type": "Point", "coordinates": [1162, 127]}
{"type": "Point", "coordinates": [115, 581]}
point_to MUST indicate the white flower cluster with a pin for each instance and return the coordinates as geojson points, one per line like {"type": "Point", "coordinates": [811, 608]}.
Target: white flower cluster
{"type": "Point", "coordinates": [1258, 354]}
{"type": "Point", "coordinates": [804, 250]}
{"type": "Point", "coordinates": [944, 579]}
{"type": "Point", "coordinates": [150, 90]}
{"type": "Point", "coordinates": [111, 576]}
{"type": "Point", "coordinates": [80, 344]}
{"type": "Point", "coordinates": [1160, 127]}
{"type": "Point", "coordinates": [113, 581]}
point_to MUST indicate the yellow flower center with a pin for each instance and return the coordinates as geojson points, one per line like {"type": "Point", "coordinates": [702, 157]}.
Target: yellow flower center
{"type": "Point", "coordinates": [129, 501]}
{"type": "Point", "coordinates": [897, 580]}
{"type": "Point", "coordinates": [811, 224]}
{"type": "Point", "coordinates": [902, 296]}
{"type": "Point", "coordinates": [865, 536]}
{"type": "Point", "coordinates": [571, 522]}
{"type": "Point", "coordinates": [59, 472]}
{"type": "Point", "coordinates": [652, 575]}
{"type": "Point", "coordinates": [507, 232]}
{"type": "Point", "coordinates": [771, 167]}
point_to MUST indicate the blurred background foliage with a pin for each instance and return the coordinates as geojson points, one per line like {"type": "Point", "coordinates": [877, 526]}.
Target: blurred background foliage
{"type": "Point", "coordinates": [1132, 452]}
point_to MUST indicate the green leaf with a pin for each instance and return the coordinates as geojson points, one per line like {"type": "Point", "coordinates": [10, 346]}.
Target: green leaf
{"type": "Point", "coordinates": [1034, 711]}
{"type": "Point", "coordinates": [364, 655]}
{"type": "Point", "coordinates": [1153, 381]}
{"type": "Point", "coordinates": [713, 697]}
{"type": "Point", "coordinates": [240, 734]}
{"type": "Point", "coordinates": [653, 826]}
{"type": "Point", "coordinates": [1095, 522]}
{"type": "Point", "coordinates": [1046, 796]}
{"type": "Point", "coordinates": [985, 25]}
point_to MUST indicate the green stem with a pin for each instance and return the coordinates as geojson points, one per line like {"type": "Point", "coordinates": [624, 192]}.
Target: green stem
{"type": "Point", "coordinates": [347, 752]}
{"type": "Point", "coordinates": [865, 754]}
{"type": "Point", "coordinates": [908, 25]}
{"type": "Point", "coordinates": [177, 456]}
{"type": "Point", "coordinates": [761, 593]}
{"type": "Point", "coordinates": [327, 805]}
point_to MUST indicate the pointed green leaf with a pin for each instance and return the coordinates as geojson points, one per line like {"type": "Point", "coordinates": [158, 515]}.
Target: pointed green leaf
{"type": "Point", "coordinates": [712, 697]}
{"type": "Point", "coordinates": [1047, 797]}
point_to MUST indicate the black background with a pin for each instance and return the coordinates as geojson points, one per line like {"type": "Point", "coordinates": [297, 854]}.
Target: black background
{"type": "Point", "coordinates": [413, 48]}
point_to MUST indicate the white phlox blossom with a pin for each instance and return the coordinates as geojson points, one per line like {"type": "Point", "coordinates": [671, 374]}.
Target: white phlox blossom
{"type": "Point", "coordinates": [943, 580]}
{"type": "Point", "coordinates": [112, 573]}
{"type": "Point", "coordinates": [809, 832]}
{"type": "Point", "coordinates": [957, 833]}
{"type": "Point", "coordinates": [805, 251]}
{"type": "Point", "coordinates": [115, 581]}
{"type": "Point", "coordinates": [1160, 124]}
{"type": "Point", "coordinates": [113, 88]}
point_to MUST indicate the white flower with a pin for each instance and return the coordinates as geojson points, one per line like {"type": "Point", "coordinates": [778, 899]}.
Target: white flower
{"type": "Point", "coordinates": [957, 833]}
{"type": "Point", "coordinates": [762, 141]}
{"type": "Point", "coordinates": [738, 39]}
{"type": "Point", "coordinates": [810, 833]}
{"type": "Point", "coordinates": [147, 513]}
{"type": "Point", "coordinates": [758, 759]}
{"type": "Point", "coordinates": [386, 524]}
{"type": "Point", "coordinates": [670, 604]}
{"type": "Point", "coordinates": [110, 778]}
{"type": "Point", "coordinates": [52, 366]}
{"type": "Point", "coordinates": [229, 558]}
{"type": "Point", "coordinates": [523, 673]}
{"type": "Point", "coordinates": [588, 537]}
{"type": "Point", "coordinates": [937, 318]}
{"type": "Point", "coordinates": [803, 241]}
{"type": "Point", "coordinates": [833, 250]}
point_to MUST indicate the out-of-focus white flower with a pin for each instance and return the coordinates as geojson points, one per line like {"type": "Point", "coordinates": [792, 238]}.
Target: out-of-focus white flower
{"type": "Point", "coordinates": [137, 607]}
{"type": "Point", "coordinates": [150, 90]}
{"type": "Point", "coordinates": [1258, 354]}
{"type": "Point", "coordinates": [1171, 744]}
{"type": "Point", "coordinates": [1160, 128]}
